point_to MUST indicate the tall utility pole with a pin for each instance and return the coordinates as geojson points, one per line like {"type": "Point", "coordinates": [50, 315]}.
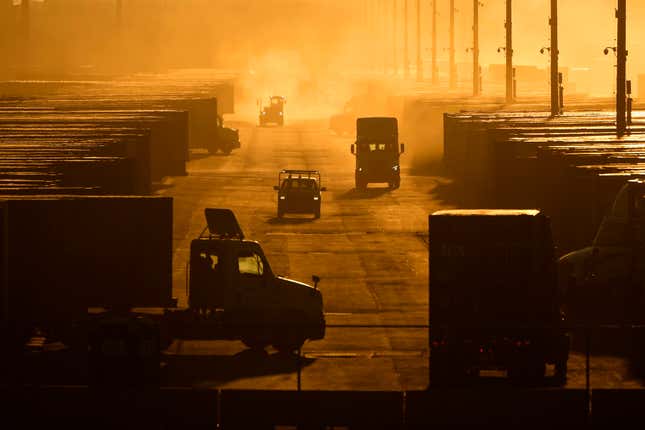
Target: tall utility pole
{"type": "Point", "coordinates": [476, 87]}
{"type": "Point", "coordinates": [26, 32]}
{"type": "Point", "coordinates": [453, 67]}
{"type": "Point", "coordinates": [419, 59]}
{"type": "Point", "coordinates": [621, 68]}
{"type": "Point", "coordinates": [119, 14]}
{"type": "Point", "coordinates": [406, 58]}
{"type": "Point", "coordinates": [435, 76]}
{"type": "Point", "coordinates": [509, 51]}
{"type": "Point", "coordinates": [383, 22]}
{"type": "Point", "coordinates": [555, 81]}
{"type": "Point", "coordinates": [394, 64]}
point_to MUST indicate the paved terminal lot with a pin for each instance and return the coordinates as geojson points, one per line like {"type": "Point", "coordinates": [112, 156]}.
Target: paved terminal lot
{"type": "Point", "coordinates": [370, 250]}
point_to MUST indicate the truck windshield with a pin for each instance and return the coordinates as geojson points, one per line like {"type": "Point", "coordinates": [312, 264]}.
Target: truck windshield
{"type": "Point", "coordinates": [376, 147]}
{"type": "Point", "coordinates": [299, 184]}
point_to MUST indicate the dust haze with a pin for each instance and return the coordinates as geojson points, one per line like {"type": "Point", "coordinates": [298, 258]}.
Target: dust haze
{"type": "Point", "coordinates": [319, 54]}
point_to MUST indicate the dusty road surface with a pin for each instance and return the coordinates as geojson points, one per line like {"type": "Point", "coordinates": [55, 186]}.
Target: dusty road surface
{"type": "Point", "coordinates": [369, 248]}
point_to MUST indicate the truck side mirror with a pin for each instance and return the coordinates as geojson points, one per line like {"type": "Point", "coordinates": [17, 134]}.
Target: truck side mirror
{"type": "Point", "coordinates": [323, 188]}
{"type": "Point", "coordinates": [402, 148]}
{"type": "Point", "coordinates": [353, 148]}
{"type": "Point", "coordinates": [316, 280]}
{"type": "Point", "coordinates": [275, 187]}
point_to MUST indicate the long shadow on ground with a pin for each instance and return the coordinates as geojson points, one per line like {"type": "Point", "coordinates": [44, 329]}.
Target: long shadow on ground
{"type": "Point", "coordinates": [196, 371]}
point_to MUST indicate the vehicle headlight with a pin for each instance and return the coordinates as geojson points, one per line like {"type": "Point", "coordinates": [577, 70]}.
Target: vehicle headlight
{"type": "Point", "coordinates": [283, 197]}
{"type": "Point", "coordinates": [280, 113]}
{"type": "Point", "coordinates": [316, 198]}
{"type": "Point", "coordinates": [360, 169]}
{"type": "Point", "coordinates": [395, 168]}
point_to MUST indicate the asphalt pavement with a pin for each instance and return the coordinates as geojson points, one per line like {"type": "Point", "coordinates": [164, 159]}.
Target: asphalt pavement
{"type": "Point", "coordinates": [369, 249]}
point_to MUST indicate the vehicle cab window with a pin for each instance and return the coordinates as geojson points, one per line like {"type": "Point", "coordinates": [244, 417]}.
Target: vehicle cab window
{"type": "Point", "coordinates": [250, 264]}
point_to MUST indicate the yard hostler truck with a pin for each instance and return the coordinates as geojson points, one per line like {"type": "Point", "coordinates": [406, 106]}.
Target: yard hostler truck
{"type": "Point", "coordinates": [494, 300]}
{"type": "Point", "coordinates": [94, 274]}
{"type": "Point", "coordinates": [234, 292]}
{"type": "Point", "coordinates": [273, 113]}
{"type": "Point", "coordinates": [377, 152]}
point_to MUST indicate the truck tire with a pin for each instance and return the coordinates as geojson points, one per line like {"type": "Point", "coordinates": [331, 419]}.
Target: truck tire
{"type": "Point", "coordinates": [288, 346]}
{"type": "Point", "coordinates": [227, 150]}
{"type": "Point", "coordinates": [317, 213]}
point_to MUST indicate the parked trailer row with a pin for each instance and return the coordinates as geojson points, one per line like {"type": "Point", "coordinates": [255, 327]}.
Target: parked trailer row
{"type": "Point", "coordinates": [168, 131]}
{"type": "Point", "coordinates": [569, 166]}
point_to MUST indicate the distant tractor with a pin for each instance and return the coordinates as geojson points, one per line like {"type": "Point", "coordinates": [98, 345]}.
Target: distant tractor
{"type": "Point", "coordinates": [299, 191]}
{"type": "Point", "coordinates": [273, 113]}
{"type": "Point", "coordinates": [377, 152]}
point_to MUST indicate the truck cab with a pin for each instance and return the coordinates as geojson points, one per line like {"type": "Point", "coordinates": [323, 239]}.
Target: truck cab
{"type": "Point", "coordinates": [230, 279]}
{"type": "Point", "coordinates": [273, 113]}
{"type": "Point", "coordinates": [494, 299]}
{"type": "Point", "coordinates": [377, 152]}
{"type": "Point", "coordinates": [605, 282]}
{"type": "Point", "coordinates": [226, 139]}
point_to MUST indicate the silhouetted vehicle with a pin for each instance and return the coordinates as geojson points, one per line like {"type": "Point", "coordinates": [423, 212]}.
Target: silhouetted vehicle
{"type": "Point", "coordinates": [299, 191]}
{"type": "Point", "coordinates": [107, 294]}
{"type": "Point", "coordinates": [273, 113]}
{"type": "Point", "coordinates": [231, 286]}
{"type": "Point", "coordinates": [494, 299]}
{"type": "Point", "coordinates": [227, 139]}
{"type": "Point", "coordinates": [377, 152]}
{"type": "Point", "coordinates": [605, 282]}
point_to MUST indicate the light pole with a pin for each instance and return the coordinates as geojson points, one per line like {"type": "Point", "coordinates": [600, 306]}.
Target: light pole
{"type": "Point", "coordinates": [555, 81]}
{"type": "Point", "coordinates": [419, 60]}
{"type": "Point", "coordinates": [476, 75]}
{"type": "Point", "coordinates": [394, 64]}
{"type": "Point", "coordinates": [435, 76]}
{"type": "Point", "coordinates": [509, 52]}
{"type": "Point", "coordinates": [621, 68]}
{"type": "Point", "coordinates": [25, 32]}
{"type": "Point", "coordinates": [406, 59]}
{"type": "Point", "coordinates": [453, 67]}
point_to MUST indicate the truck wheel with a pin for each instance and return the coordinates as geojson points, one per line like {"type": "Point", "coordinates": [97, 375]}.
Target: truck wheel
{"type": "Point", "coordinates": [289, 346]}
{"type": "Point", "coordinates": [227, 150]}
{"type": "Point", "coordinates": [317, 213]}
{"type": "Point", "coordinates": [280, 213]}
